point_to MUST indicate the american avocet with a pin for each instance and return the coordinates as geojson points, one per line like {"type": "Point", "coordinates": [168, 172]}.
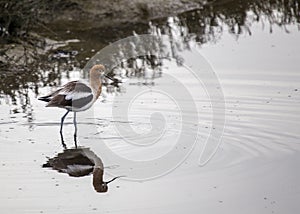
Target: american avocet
{"type": "Point", "coordinates": [76, 96]}
{"type": "Point", "coordinates": [81, 162]}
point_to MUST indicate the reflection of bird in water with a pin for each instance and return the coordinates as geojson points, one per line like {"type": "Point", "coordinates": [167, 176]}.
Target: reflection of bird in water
{"type": "Point", "coordinates": [76, 96]}
{"type": "Point", "coordinates": [81, 162]}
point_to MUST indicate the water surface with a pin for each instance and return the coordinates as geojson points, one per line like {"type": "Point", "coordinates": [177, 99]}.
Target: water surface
{"type": "Point", "coordinates": [254, 51]}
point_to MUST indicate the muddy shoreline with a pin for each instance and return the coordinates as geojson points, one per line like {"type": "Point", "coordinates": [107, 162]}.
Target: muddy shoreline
{"type": "Point", "coordinates": [112, 13]}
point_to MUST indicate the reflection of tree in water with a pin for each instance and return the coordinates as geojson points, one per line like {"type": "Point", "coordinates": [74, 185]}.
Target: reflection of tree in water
{"type": "Point", "coordinates": [16, 81]}
{"type": "Point", "coordinates": [207, 24]}
{"type": "Point", "coordinates": [202, 26]}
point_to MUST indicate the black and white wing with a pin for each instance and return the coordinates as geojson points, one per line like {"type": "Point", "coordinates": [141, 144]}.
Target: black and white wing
{"type": "Point", "coordinates": [72, 95]}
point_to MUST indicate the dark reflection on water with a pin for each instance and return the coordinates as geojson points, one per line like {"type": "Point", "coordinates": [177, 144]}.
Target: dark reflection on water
{"type": "Point", "coordinates": [202, 26]}
{"type": "Point", "coordinates": [79, 162]}
{"type": "Point", "coordinates": [207, 24]}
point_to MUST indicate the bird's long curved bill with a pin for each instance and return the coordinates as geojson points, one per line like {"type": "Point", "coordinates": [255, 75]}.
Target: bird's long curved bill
{"type": "Point", "coordinates": [114, 179]}
{"type": "Point", "coordinates": [109, 77]}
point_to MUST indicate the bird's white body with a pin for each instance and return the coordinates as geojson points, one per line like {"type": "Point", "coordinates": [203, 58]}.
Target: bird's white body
{"type": "Point", "coordinates": [76, 96]}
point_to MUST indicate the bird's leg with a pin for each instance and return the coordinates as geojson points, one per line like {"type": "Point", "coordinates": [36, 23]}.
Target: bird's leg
{"type": "Point", "coordinates": [61, 129]}
{"type": "Point", "coordinates": [75, 133]}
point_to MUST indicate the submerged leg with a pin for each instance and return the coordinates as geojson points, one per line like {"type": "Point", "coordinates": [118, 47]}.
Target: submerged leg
{"type": "Point", "coordinates": [61, 128]}
{"type": "Point", "coordinates": [75, 133]}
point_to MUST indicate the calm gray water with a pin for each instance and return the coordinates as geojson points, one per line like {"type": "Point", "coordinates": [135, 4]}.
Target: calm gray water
{"type": "Point", "coordinates": [253, 50]}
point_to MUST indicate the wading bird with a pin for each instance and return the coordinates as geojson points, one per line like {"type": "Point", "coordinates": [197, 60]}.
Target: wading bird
{"type": "Point", "coordinates": [76, 96]}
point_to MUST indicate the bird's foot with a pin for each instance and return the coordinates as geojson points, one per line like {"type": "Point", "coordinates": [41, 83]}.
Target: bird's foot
{"type": "Point", "coordinates": [62, 141]}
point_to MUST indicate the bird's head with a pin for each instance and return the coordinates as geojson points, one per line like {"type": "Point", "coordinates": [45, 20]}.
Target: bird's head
{"type": "Point", "coordinates": [103, 187]}
{"type": "Point", "coordinates": [98, 71]}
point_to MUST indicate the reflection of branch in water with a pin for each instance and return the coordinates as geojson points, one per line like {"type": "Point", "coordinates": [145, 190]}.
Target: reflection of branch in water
{"type": "Point", "coordinates": [81, 162]}
{"type": "Point", "coordinates": [208, 23]}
